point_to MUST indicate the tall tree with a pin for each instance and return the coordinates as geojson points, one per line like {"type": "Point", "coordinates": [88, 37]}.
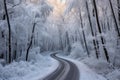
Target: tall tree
{"type": "Point", "coordinates": [67, 42]}
{"type": "Point", "coordinates": [118, 1]}
{"type": "Point", "coordinates": [100, 31]}
{"type": "Point", "coordinates": [83, 32]}
{"type": "Point", "coordinates": [31, 41]}
{"type": "Point", "coordinates": [113, 14]}
{"type": "Point", "coordinates": [92, 32]}
{"type": "Point", "coordinates": [9, 30]}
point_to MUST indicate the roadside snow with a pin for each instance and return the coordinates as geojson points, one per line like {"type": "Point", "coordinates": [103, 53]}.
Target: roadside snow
{"type": "Point", "coordinates": [114, 75]}
{"type": "Point", "coordinates": [85, 72]}
{"type": "Point", "coordinates": [102, 67]}
{"type": "Point", "coordinates": [28, 70]}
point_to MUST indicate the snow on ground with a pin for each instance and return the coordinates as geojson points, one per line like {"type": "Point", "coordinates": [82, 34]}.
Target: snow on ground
{"type": "Point", "coordinates": [85, 72]}
{"type": "Point", "coordinates": [32, 70]}
{"type": "Point", "coordinates": [102, 67]}
{"type": "Point", "coordinates": [114, 75]}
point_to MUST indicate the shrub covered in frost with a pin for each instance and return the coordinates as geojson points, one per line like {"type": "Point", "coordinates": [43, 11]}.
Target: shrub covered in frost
{"type": "Point", "coordinates": [77, 51]}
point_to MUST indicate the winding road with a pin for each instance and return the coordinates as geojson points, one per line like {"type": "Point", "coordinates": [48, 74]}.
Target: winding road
{"type": "Point", "coordinates": [65, 71]}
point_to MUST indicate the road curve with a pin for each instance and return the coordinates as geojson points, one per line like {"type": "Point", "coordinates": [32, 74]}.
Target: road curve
{"type": "Point", "coordinates": [65, 71]}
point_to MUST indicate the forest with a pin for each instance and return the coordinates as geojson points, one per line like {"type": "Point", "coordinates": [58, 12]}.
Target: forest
{"type": "Point", "coordinates": [85, 32]}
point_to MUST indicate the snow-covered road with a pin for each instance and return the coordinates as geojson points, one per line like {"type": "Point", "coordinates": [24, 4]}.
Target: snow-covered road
{"type": "Point", "coordinates": [70, 69]}
{"type": "Point", "coordinates": [85, 72]}
{"type": "Point", "coordinates": [66, 70]}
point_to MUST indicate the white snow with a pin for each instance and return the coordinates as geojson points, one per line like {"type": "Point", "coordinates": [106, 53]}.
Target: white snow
{"type": "Point", "coordinates": [103, 67]}
{"type": "Point", "coordinates": [77, 51]}
{"type": "Point", "coordinates": [115, 75]}
{"type": "Point", "coordinates": [32, 70]}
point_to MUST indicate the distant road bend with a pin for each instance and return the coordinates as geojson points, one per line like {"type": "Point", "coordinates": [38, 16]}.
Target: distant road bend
{"type": "Point", "coordinates": [65, 71]}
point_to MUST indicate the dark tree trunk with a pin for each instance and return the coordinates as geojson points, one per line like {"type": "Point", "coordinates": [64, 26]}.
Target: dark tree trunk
{"type": "Point", "coordinates": [81, 40]}
{"type": "Point", "coordinates": [2, 34]}
{"type": "Point", "coordinates": [108, 25]}
{"type": "Point", "coordinates": [15, 52]}
{"type": "Point", "coordinates": [113, 14]}
{"type": "Point", "coordinates": [92, 32]}
{"type": "Point", "coordinates": [68, 42]}
{"type": "Point", "coordinates": [100, 31]}
{"type": "Point", "coordinates": [60, 38]}
{"type": "Point", "coordinates": [9, 29]}
{"type": "Point", "coordinates": [83, 33]}
{"type": "Point", "coordinates": [31, 41]}
{"type": "Point", "coordinates": [3, 17]}
{"type": "Point", "coordinates": [2, 56]}
{"type": "Point", "coordinates": [118, 1]}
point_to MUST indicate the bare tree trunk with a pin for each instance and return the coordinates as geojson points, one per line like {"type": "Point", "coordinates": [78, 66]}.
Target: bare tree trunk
{"type": "Point", "coordinates": [108, 24]}
{"type": "Point", "coordinates": [92, 32]}
{"type": "Point", "coordinates": [118, 1]}
{"type": "Point", "coordinates": [83, 33]}
{"type": "Point", "coordinates": [100, 31]}
{"type": "Point", "coordinates": [60, 39]}
{"type": "Point", "coordinates": [81, 41]}
{"type": "Point", "coordinates": [68, 42]}
{"type": "Point", "coordinates": [31, 41]}
{"type": "Point", "coordinates": [113, 14]}
{"type": "Point", "coordinates": [9, 29]}
{"type": "Point", "coordinates": [3, 18]}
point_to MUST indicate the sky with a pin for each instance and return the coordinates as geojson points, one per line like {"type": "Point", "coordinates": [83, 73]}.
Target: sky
{"type": "Point", "coordinates": [59, 6]}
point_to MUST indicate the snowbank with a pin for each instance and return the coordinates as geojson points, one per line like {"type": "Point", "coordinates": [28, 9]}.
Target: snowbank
{"type": "Point", "coordinates": [102, 67]}
{"type": "Point", "coordinates": [114, 75]}
{"type": "Point", "coordinates": [32, 70]}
